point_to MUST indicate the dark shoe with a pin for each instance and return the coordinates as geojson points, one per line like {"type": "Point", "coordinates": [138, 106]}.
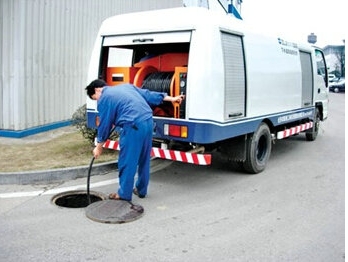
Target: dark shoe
{"type": "Point", "coordinates": [135, 192]}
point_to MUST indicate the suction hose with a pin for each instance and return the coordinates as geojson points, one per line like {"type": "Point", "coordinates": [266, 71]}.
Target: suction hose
{"type": "Point", "coordinates": [89, 172]}
{"type": "Point", "coordinates": [88, 179]}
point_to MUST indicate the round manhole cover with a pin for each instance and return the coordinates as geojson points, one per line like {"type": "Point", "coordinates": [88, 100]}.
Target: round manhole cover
{"type": "Point", "coordinates": [77, 199]}
{"type": "Point", "coordinates": [114, 211]}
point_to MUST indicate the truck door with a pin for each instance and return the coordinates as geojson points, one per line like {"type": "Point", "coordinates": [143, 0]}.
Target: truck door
{"type": "Point", "coordinates": [320, 95]}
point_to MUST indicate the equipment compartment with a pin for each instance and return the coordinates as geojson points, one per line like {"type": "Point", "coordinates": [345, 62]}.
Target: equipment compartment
{"type": "Point", "coordinates": [163, 70]}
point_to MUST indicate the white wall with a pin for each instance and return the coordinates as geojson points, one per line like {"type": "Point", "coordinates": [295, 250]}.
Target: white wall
{"type": "Point", "coordinates": [44, 54]}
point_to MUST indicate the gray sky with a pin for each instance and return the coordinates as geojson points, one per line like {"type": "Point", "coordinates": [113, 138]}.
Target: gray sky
{"type": "Point", "coordinates": [296, 19]}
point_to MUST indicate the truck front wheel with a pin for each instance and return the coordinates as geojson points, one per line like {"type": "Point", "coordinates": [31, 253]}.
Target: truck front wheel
{"type": "Point", "coordinates": [258, 150]}
{"type": "Point", "coordinates": [312, 133]}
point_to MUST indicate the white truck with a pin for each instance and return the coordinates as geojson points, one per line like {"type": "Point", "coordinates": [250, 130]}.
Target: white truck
{"type": "Point", "coordinates": [243, 89]}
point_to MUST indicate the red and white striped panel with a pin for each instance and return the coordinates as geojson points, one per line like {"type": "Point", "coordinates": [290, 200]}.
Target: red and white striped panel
{"type": "Point", "coordinates": [111, 144]}
{"type": "Point", "coordinates": [192, 158]}
{"type": "Point", "coordinates": [294, 130]}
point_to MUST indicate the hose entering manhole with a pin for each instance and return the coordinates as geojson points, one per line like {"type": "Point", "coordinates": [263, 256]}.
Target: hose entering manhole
{"type": "Point", "coordinates": [106, 211]}
{"type": "Point", "coordinates": [88, 180]}
{"type": "Point", "coordinates": [77, 198]}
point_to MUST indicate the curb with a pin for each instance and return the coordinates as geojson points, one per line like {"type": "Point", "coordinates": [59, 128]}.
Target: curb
{"type": "Point", "coordinates": [54, 175]}
{"type": "Point", "coordinates": [69, 173]}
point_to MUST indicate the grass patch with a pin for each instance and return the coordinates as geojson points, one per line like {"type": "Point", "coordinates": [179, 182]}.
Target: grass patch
{"type": "Point", "coordinates": [68, 150]}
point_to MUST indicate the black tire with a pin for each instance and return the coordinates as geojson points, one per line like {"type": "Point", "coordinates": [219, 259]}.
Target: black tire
{"type": "Point", "coordinates": [259, 147]}
{"type": "Point", "coordinates": [236, 166]}
{"type": "Point", "coordinates": [312, 133]}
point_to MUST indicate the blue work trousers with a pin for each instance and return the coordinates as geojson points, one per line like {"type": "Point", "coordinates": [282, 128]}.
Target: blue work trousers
{"type": "Point", "coordinates": [135, 149]}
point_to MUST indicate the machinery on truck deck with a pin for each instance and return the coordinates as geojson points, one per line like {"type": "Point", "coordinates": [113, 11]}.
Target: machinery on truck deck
{"type": "Point", "coordinates": [243, 89]}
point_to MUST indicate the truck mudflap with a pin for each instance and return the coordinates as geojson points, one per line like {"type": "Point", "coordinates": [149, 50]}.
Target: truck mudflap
{"type": "Point", "coordinates": [175, 155]}
{"type": "Point", "coordinates": [294, 130]}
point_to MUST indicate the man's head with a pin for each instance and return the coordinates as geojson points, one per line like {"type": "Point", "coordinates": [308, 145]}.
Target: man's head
{"type": "Point", "coordinates": [94, 88]}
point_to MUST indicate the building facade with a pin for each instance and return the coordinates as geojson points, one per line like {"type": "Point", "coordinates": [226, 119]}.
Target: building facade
{"type": "Point", "coordinates": [44, 55]}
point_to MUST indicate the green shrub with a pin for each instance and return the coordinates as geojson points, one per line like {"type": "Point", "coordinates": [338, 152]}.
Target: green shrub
{"type": "Point", "coordinates": [79, 120]}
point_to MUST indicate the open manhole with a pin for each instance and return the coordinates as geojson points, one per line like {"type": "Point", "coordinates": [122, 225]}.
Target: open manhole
{"type": "Point", "coordinates": [77, 198]}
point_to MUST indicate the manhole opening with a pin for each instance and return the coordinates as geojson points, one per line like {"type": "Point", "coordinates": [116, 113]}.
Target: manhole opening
{"type": "Point", "coordinates": [77, 199]}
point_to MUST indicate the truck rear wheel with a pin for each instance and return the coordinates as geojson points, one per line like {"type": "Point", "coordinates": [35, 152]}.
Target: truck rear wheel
{"type": "Point", "coordinates": [312, 134]}
{"type": "Point", "coordinates": [258, 151]}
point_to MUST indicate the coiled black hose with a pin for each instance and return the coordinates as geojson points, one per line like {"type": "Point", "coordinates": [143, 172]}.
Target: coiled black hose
{"type": "Point", "coordinates": [158, 81]}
